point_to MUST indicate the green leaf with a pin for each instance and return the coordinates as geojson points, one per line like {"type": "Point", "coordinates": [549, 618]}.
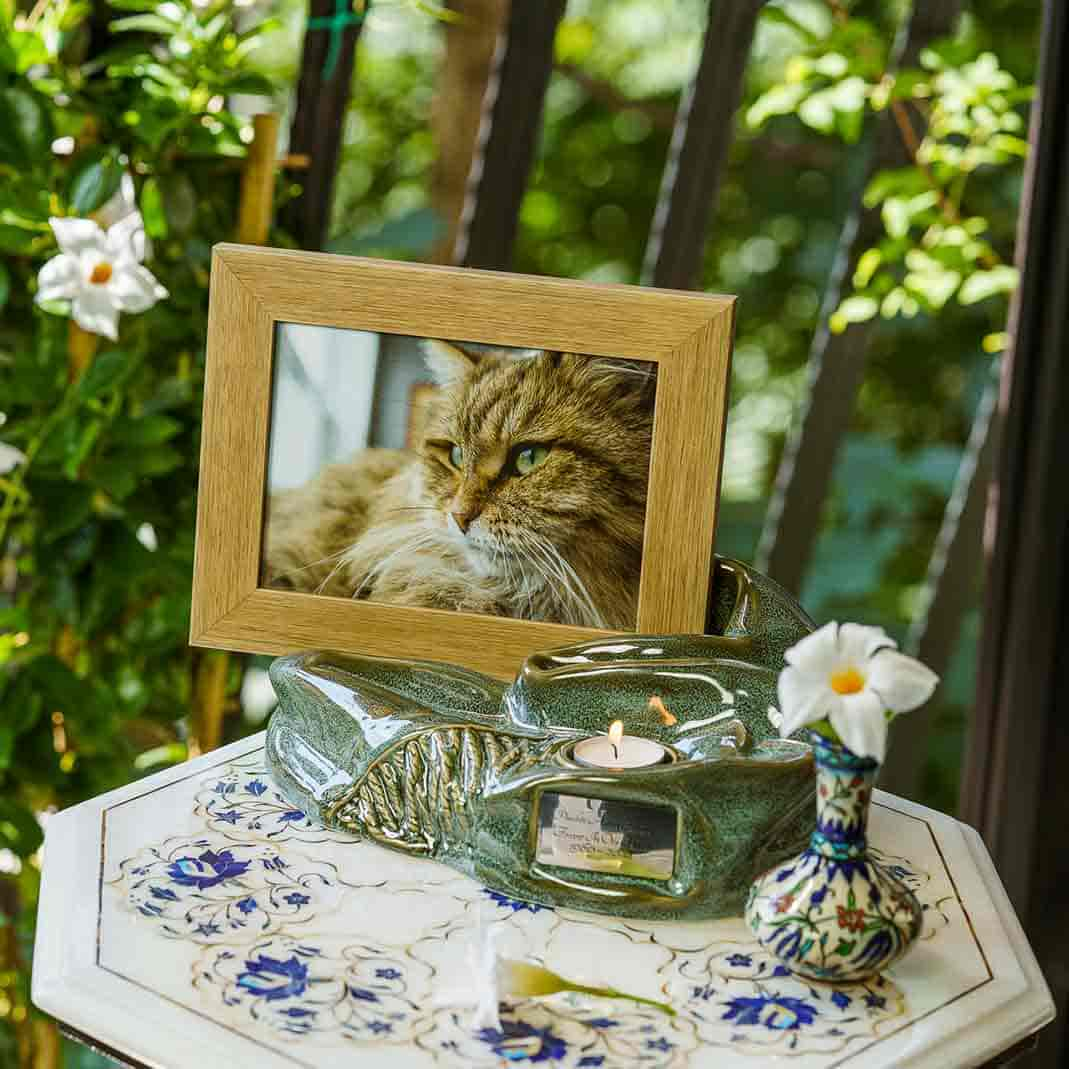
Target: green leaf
{"type": "Point", "coordinates": [895, 215]}
{"type": "Point", "coordinates": [171, 393]}
{"type": "Point", "coordinates": [779, 100]}
{"type": "Point", "coordinates": [155, 460]}
{"type": "Point", "coordinates": [867, 265]}
{"type": "Point", "coordinates": [5, 285]}
{"type": "Point", "coordinates": [785, 18]}
{"type": "Point", "coordinates": [26, 125]}
{"type": "Point", "coordinates": [179, 202]}
{"type": "Point", "coordinates": [113, 476]}
{"type": "Point", "coordinates": [150, 430]}
{"type": "Point", "coordinates": [95, 177]}
{"type": "Point", "coordinates": [839, 107]}
{"type": "Point", "coordinates": [246, 82]}
{"type": "Point", "coordinates": [983, 284]}
{"type": "Point", "coordinates": [145, 23]}
{"type": "Point", "coordinates": [104, 373]}
{"type": "Point", "coordinates": [832, 65]}
{"type": "Point", "coordinates": [64, 503]}
{"type": "Point", "coordinates": [855, 309]}
{"type": "Point", "coordinates": [19, 831]}
{"type": "Point", "coordinates": [152, 209]}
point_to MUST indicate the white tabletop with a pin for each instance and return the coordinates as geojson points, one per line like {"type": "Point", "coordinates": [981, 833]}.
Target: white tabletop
{"type": "Point", "coordinates": [195, 918]}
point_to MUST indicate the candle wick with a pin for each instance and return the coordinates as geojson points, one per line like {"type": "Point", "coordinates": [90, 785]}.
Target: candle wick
{"type": "Point", "coordinates": [615, 750]}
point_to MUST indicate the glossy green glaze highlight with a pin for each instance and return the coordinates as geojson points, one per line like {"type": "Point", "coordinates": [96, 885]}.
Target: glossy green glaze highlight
{"type": "Point", "coordinates": [447, 763]}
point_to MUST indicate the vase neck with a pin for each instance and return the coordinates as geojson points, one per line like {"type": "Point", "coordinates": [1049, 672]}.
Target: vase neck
{"type": "Point", "coordinates": [844, 789]}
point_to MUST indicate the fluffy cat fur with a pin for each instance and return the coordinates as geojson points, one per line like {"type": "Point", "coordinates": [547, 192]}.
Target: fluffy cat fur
{"type": "Point", "coordinates": [560, 542]}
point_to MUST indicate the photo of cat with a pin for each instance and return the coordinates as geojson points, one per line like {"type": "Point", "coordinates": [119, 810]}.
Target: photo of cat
{"type": "Point", "coordinates": [451, 475]}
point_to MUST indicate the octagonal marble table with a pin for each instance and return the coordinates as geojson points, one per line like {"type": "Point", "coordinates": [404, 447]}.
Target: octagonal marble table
{"type": "Point", "coordinates": [196, 919]}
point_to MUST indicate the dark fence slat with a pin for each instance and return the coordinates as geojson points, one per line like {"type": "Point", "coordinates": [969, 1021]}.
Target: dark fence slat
{"type": "Point", "coordinates": [470, 44]}
{"type": "Point", "coordinates": [950, 587]}
{"type": "Point", "coordinates": [323, 90]}
{"type": "Point", "coordinates": [511, 121]}
{"type": "Point", "coordinates": [701, 137]}
{"type": "Point", "coordinates": [1015, 788]}
{"type": "Point", "coordinates": [836, 361]}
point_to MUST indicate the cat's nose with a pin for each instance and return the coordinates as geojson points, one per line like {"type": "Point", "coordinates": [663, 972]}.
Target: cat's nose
{"type": "Point", "coordinates": [463, 520]}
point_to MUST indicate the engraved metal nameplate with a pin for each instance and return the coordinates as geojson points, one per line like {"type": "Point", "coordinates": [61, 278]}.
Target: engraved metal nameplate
{"type": "Point", "coordinates": [602, 835]}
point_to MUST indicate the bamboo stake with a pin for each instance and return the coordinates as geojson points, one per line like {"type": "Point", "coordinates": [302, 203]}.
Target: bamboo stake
{"type": "Point", "coordinates": [81, 348]}
{"type": "Point", "coordinates": [258, 182]}
{"type": "Point", "coordinates": [209, 702]}
{"type": "Point", "coordinates": [470, 42]}
{"type": "Point", "coordinates": [255, 214]}
{"type": "Point", "coordinates": [47, 1046]}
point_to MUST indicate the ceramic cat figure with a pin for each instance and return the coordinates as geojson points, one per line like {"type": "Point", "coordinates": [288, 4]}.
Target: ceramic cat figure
{"type": "Point", "coordinates": [526, 498]}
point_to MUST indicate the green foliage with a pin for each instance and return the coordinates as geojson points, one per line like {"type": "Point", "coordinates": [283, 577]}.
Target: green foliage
{"type": "Point", "coordinates": [96, 527]}
{"type": "Point", "coordinates": [93, 622]}
{"type": "Point", "coordinates": [932, 248]}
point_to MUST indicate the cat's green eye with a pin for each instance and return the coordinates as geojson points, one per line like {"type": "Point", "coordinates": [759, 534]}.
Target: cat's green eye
{"type": "Point", "coordinates": [530, 457]}
{"type": "Point", "coordinates": [456, 456]}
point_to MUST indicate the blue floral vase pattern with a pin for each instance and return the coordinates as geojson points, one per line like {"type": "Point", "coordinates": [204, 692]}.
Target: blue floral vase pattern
{"type": "Point", "coordinates": [834, 912]}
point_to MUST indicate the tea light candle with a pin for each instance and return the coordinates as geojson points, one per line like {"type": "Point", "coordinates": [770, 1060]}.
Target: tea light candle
{"type": "Point", "coordinates": [616, 750]}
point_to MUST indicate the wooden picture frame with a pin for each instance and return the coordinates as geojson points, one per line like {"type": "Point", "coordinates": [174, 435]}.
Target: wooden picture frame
{"type": "Point", "coordinates": [688, 335]}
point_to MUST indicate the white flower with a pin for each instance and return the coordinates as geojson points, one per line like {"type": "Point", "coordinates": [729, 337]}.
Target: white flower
{"type": "Point", "coordinates": [10, 458]}
{"type": "Point", "coordinates": [99, 272]}
{"type": "Point", "coordinates": [853, 676]}
{"type": "Point", "coordinates": [497, 980]}
{"type": "Point", "coordinates": [482, 957]}
{"type": "Point", "coordinates": [121, 205]}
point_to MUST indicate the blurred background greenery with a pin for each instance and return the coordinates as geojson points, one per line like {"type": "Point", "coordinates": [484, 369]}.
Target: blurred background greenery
{"type": "Point", "coordinates": [97, 683]}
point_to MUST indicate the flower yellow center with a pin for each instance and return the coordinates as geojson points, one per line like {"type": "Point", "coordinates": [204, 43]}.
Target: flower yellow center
{"type": "Point", "coordinates": [847, 681]}
{"type": "Point", "coordinates": [101, 273]}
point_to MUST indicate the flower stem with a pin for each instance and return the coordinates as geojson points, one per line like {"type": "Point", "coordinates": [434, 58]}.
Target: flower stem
{"type": "Point", "coordinates": [610, 992]}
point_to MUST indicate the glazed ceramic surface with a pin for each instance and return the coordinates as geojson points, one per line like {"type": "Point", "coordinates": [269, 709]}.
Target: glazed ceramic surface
{"type": "Point", "coordinates": [197, 918]}
{"type": "Point", "coordinates": [836, 911]}
{"type": "Point", "coordinates": [438, 761]}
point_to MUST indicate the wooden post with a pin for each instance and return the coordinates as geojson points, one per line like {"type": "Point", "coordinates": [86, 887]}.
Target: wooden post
{"type": "Point", "coordinates": [470, 42]}
{"type": "Point", "coordinates": [257, 205]}
{"type": "Point", "coordinates": [1014, 785]}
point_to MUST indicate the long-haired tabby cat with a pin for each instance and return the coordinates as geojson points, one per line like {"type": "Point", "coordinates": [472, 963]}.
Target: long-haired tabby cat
{"type": "Point", "coordinates": [526, 498]}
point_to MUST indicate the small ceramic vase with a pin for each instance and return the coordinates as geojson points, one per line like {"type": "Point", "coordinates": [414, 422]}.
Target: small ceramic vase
{"type": "Point", "coordinates": [833, 912]}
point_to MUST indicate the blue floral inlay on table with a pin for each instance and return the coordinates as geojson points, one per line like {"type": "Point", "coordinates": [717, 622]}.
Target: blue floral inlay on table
{"type": "Point", "coordinates": [258, 897]}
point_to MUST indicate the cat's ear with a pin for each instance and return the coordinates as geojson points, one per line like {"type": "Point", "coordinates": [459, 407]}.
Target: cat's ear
{"type": "Point", "coordinates": [448, 363]}
{"type": "Point", "coordinates": [626, 378]}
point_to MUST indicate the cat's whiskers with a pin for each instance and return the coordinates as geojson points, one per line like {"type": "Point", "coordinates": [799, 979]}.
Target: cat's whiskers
{"type": "Point", "coordinates": [315, 564]}
{"type": "Point", "coordinates": [420, 540]}
{"type": "Point", "coordinates": [541, 551]}
{"type": "Point", "coordinates": [574, 584]}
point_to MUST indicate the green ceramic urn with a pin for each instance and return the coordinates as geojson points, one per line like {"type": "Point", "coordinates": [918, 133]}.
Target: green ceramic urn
{"type": "Point", "coordinates": [443, 762]}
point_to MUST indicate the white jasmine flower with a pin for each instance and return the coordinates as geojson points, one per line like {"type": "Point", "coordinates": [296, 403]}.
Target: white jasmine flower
{"type": "Point", "coordinates": [99, 272]}
{"type": "Point", "coordinates": [497, 980]}
{"type": "Point", "coordinates": [121, 205]}
{"type": "Point", "coordinates": [10, 458]}
{"type": "Point", "coordinates": [852, 676]}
